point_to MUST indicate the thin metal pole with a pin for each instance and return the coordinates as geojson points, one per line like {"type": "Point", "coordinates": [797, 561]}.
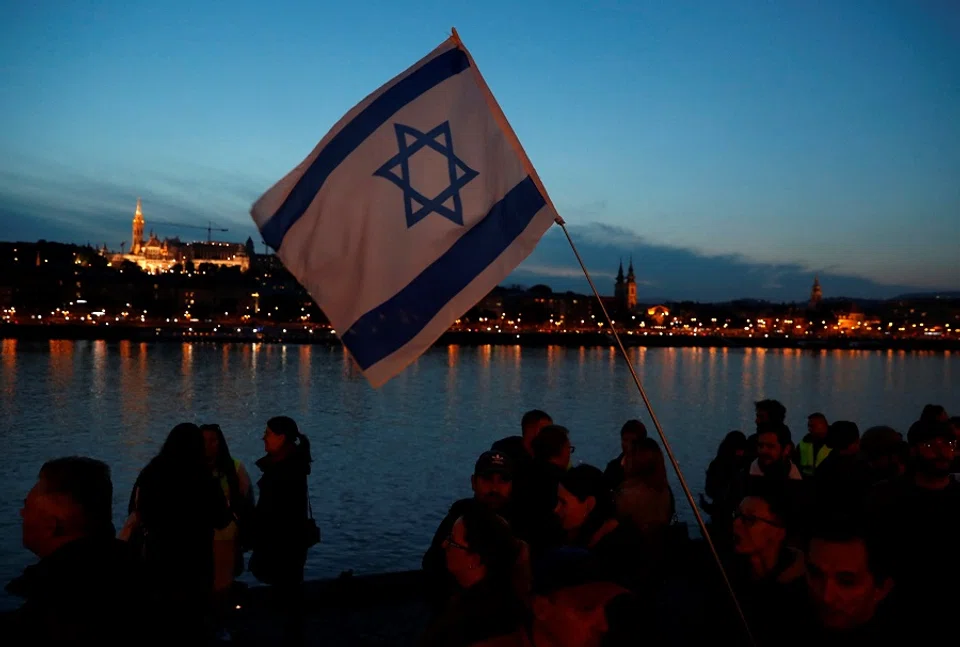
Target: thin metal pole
{"type": "Point", "coordinates": [663, 438]}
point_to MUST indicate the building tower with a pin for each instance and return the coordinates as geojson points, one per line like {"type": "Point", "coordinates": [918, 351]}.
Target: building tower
{"type": "Point", "coordinates": [137, 241]}
{"type": "Point", "coordinates": [816, 294]}
{"type": "Point", "coordinates": [620, 288]}
{"type": "Point", "coordinates": [631, 301]}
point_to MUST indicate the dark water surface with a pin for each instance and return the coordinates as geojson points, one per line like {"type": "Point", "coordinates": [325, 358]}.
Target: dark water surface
{"type": "Point", "coordinates": [388, 463]}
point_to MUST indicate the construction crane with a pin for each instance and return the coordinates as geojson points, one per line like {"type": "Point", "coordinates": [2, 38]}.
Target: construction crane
{"type": "Point", "coordinates": [210, 228]}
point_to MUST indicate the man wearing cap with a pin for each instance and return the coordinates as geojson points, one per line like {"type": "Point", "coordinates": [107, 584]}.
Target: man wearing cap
{"type": "Point", "coordinates": [492, 484]}
{"type": "Point", "coordinates": [920, 511]}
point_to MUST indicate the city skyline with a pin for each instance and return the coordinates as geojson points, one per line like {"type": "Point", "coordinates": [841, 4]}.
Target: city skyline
{"type": "Point", "coordinates": [733, 151]}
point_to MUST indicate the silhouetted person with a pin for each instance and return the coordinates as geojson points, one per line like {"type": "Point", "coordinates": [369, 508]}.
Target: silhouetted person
{"type": "Point", "coordinates": [723, 470]}
{"type": "Point", "coordinates": [88, 587]}
{"type": "Point", "coordinates": [535, 497]}
{"type": "Point", "coordinates": [520, 448]}
{"type": "Point", "coordinates": [280, 541]}
{"type": "Point", "coordinates": [766, 413]}
{"type": "Point", "coordinates": [178, 506]}
{"type": "Point", "coordinates": [482, 556]}
{"type": "Point", "coordinates": [920, 512]}
{"type": "Point", "coordinates": [844, 478]}
{"type": "Point", "coordinates": [881, 450]}
{"type": "Point", "coordinates": [632, 432]}
{"type": "Point", "coordinates": [812, 450]}
{"type": "Point", "coordinates": [492, 484]}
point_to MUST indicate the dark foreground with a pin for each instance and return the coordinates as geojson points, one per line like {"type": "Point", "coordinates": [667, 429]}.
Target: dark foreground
{"type": "Point", "coordinates": [382, 609]}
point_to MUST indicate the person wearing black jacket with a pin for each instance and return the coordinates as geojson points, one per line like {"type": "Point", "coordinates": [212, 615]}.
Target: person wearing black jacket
{"type": "Point", "coordinates": [281, 535]}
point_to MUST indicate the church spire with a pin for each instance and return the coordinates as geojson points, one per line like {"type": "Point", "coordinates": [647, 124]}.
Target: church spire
{"type": "Point", "coordinates": [631, 277]}
{"type": "Point", "coordinates": [620, 273]}
{"type": "Point", "coordinates": [137, 241]}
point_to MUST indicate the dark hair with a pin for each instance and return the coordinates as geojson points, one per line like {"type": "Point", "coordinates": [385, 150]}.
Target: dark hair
{"type": "Point", "coordinates": [842, 434]}
{"type": "Point", "coordinates": [86, 482]}
{"type": "Point", "coordinates": [490, 537]}
{"type": "Point", "coordinates": [776, 497]}
{"type": "Point", "coordinates": [817, 415]}
{"type": "Point", "coordinates": [633, 427]}
{"type": "Point", "coordinates": [534, 417]}
{"type": "Point", "coordinates": [842, 529]}
{"type": "Point", "coordinates": [955, 421]}
{"type": "Point", "coordinates": [225, 465]}
{"type": "Point", "coordinates": [652, 469]}
{"type": "Point", "coordinates": [550, 441]}
{"type": "Point", "coordinates": [733, 441]}
{"type": "Point", "coordinates": [932, 413]}
{"type": "Point", "coordinates": [781, 430]}
{"type": "Point", "coordinates": [184, 444]}
{"type": "Point", "coordinates": [585, 481]}
{"type": "Point", "coordinates": [776, 411]}
{"type": "Point", "coordinates": [879, 442]}
{"type": "Point", "coordinates": [286, 427]}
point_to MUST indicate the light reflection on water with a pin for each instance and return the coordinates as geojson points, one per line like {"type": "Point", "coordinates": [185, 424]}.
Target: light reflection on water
{"type": "Point", "coordinates": [389, 462]}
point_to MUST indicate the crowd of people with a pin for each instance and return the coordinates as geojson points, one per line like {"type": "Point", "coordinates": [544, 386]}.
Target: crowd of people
{"type": "Point", "coordinates": [842, 538]}
{"type": "Point", "coordinates": [169, 573]}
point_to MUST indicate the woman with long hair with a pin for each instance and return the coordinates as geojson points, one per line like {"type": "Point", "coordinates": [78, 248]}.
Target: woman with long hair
{"type": "Point", "coordinates": [177, 507]}
{"type": "Point", "coordinates": [283, 529]}
{"type": "Point", "coordinates": [644, 499]}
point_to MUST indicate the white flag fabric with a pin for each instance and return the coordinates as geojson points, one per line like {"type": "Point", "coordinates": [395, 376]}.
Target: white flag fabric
{"type": "Point", "coordinates": [408, 212]}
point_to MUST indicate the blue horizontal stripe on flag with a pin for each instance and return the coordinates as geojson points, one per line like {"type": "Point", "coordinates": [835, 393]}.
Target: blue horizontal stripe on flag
{"type": "Point", "coordinates": [353, 134]}
{"type": "Point", "coordinates": [389, 326]}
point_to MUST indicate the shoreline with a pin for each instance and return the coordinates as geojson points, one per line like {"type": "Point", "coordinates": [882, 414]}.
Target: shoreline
{"type": "Point", "coordinates": [325, 337]}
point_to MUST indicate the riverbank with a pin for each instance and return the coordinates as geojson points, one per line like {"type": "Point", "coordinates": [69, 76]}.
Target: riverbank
{"type": "Point", "coordinates": [231, 333]}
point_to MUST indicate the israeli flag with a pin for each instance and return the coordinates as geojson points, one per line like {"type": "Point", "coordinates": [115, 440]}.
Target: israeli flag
{"type": "Point", "coordinates": [409, 211]}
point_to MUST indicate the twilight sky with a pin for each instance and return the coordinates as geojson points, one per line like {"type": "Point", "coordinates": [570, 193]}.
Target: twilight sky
{"type": "Point", "coordinates": [732, 147]}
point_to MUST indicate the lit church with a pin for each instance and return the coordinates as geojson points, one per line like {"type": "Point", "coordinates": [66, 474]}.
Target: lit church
{"type": "Point", "coordinates": [154, 255]}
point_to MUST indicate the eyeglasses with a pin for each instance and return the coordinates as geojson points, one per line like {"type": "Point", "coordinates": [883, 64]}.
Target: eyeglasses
{"type": "Point", "coordinates": [752, 520]}
{"type": "Point", "coordinates": [940, 442]}
{"type": "Point", "coordinates": [450, 541]}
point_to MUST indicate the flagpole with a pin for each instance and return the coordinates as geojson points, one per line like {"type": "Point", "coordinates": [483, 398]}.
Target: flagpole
{"type": "Point", "coordinates": [663, 438]}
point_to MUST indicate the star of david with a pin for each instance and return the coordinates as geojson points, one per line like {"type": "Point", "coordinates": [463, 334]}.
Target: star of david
{"type": "Point", "coordinates": [416, 205]}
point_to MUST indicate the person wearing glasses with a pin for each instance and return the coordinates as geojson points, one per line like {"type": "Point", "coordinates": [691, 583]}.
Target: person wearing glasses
{"type": "Point", "coordinates": [766, 573]}
{"type": "Point", "coordinates": [920, 513]}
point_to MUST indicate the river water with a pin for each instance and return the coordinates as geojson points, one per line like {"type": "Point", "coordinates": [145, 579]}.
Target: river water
{"type": "Point", "coordinates": [388, 463]}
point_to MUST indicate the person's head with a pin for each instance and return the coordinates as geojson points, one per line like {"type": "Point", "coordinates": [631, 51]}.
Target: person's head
{"type": "Point", "coordinates": [769, 412]}
{"type": "Point", "coordinates": [881, 447]}
{"type": "Point", "coordinates": [644, 461]}
{"type": "Point", "coordinates": [492, 479]}
{"type": "Point", "coordinates": [631, 432]}
{"type": "Point", "coordinates": [575, 605]}
{"type": "Point", "coordinates": [847, 574]}
{"type": "Point", "coordinates": [933, 447]}
{"type": "Point", "coordinates": [480, 547]}
{"type": "Point", "coordinates": [817, 425]}
{"type": "Point", "coordinates": [773, 445]}
{"type": "Point", "coordinates": [760, 524]}
{"type": "Point", "coordinates": [531, 424]}
{"type": "Point", "coordinates": [282, 437]}
{"type": "Point", "coordinates": [73, 498]}
{"type": "Point", "coordinates": [934, 413]}
{"type": "Point", "coordinates": [215, 447]}
{"type": "Point", "coordinates": [552, 445]}
{"type": "Point", "coordinates": [184, 445]}
{"type": "Point", "coordinates": [843, 437]}
{"type": "Point", "coordinates": [584, 500]}
{"type": "Point", "coordinates": [732, 447]}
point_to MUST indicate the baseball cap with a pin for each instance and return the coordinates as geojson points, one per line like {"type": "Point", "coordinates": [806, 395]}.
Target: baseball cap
{"type": "Point", "coordinates": [493, 462]}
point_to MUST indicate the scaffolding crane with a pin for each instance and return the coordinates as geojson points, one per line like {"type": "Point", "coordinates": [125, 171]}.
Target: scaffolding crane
{"type": "Point", "coordinates": [210, 228]}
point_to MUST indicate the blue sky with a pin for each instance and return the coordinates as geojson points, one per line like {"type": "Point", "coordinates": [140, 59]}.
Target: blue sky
{"type": "Point", "coordinates": [733, 147]}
